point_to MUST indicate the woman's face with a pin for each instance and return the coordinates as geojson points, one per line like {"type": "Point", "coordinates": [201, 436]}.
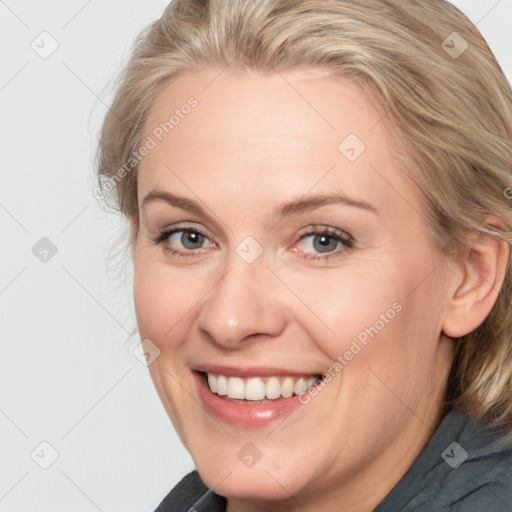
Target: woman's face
{"type": "Point", "coordinates": [298, 249]}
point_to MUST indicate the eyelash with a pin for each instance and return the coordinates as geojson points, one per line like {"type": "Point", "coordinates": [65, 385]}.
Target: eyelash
{"type": "Point", "coordinates": [161, 237]}
{"type": "Point", "coordinates": [346, 241]}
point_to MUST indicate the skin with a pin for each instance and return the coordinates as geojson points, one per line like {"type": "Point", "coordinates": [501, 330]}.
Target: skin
{"type": "Point", "coordinates": [253, 143]}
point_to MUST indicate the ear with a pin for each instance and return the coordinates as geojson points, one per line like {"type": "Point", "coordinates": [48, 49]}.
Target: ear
{"type": "Point", "coordinates": [475, 282]}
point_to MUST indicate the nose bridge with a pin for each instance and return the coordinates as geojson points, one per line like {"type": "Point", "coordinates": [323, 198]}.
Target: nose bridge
{"type": "Point", "coordinates": [241, 304]}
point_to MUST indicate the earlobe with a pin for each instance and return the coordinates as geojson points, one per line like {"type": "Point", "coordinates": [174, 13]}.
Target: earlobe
{"type": "Point", "coordinates": [479, 277]}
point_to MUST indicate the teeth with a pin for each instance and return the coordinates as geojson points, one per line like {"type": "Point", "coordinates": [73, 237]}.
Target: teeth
{"type": "Point", "coordinates": [300, 386]}
{"type": "Point", "coordinates": [236, 388]}
{"type": "Point", "coordinates": [212, 382]}
{"type": "Point", "coordinates": [254, 389]}
{"type": "Point", "coordinates": [287, 387]}
{"type": "Point", "coordinates": [258, 388]}
{"type": "Point", "coordinates": [222, 385]}
{"type": "Point", "coordinates": [273, 388]}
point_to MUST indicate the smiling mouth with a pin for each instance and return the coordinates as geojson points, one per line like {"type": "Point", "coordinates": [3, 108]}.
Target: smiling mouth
{"type": "Point", "coordinates": [257, 390]}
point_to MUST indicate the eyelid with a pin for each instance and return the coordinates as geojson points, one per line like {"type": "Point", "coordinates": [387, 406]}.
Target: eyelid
{"type": "Point", "coordinates": [187, 226]}
{"type": "Point", "coordinates": [164, 233]}
{"type": "Point", "coordinates": [346, 240]}
{"type": "Point", "coordinates": [320, 229]}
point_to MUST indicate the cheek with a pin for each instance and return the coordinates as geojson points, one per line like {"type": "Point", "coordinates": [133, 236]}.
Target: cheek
{"type": "Point", "coordinates": [340, 307]}
{"type": "Point", "coordinates": [149, 300]}
{"type": "Point", "coordinates": [161, 307]}
{"type": "Point", "coordinates": [396, 321]}
{"type": "Point", "coordinates": [374, 315]}
{"type": "Point", "coordinates": [163, 297]}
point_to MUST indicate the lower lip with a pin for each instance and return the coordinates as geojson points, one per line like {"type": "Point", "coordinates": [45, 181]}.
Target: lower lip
{"type": "Point", "coordinates": [245, 415]}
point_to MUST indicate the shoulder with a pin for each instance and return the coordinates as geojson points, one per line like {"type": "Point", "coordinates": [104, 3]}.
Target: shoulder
{"type": "Point", "coordinates": [483, 484]}
{"type": "Point", "coordinates": [480, 469]}
{"type": "Point", "coordinates": [191, 493]}
{"type": "Point", "coordinates": [465, 467]}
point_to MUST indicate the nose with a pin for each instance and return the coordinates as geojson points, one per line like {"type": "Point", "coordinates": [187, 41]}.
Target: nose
{"type": "Point", "coordinates": [243, 305]}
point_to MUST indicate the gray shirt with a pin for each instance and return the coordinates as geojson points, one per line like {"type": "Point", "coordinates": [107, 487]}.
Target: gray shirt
{"type": "Point", "coordinates": [465, 467]}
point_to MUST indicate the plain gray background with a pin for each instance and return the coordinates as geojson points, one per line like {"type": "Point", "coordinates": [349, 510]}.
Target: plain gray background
{"type": "Point", "coordinates": [69, 379]}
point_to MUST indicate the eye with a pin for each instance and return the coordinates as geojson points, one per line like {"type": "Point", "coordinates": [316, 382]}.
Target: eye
{"type": "Point", "coordinates": [323, 242]}
{"type": "Point", "coordinates": [187, 238]}
{"type": "Point", "coordinates": [183, 241]}
{"type": "Point", "coordinates": [320, 242]}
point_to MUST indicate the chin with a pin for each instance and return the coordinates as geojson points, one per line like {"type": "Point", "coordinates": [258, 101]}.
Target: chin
{"type": "Point", "coordinates": [250, 485]}
{"type": "Point", "coordinates": [262, 481]}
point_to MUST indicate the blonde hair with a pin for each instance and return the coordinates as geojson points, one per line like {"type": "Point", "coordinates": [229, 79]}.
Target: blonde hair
{"type": "Point", "coordinates": [437, 84]}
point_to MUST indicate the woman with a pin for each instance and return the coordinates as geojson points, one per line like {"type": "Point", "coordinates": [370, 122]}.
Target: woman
{"type": "Point", "coordinates": [319, 201]}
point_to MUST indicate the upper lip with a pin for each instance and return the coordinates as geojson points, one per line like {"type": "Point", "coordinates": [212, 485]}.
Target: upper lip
{"type": "Point", "coordinates": [250, 371]}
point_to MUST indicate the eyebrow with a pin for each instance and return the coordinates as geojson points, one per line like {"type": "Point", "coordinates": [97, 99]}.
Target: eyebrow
{"type": "Point", "coordinates": [285, 209]}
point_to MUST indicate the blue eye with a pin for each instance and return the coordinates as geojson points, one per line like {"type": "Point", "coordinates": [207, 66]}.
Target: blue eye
{"type": "Point", "coordinates": [185, 241]}
{"type": "Point", "coordinates": [319, 243]}
{"type": "Point", "coordinates": [324, 242]}
{"type": "Point", "coordinates": [188, 239]}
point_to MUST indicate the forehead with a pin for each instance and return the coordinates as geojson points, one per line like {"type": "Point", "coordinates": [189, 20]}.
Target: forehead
{"type": "Point", "coordinates": [270, 136]}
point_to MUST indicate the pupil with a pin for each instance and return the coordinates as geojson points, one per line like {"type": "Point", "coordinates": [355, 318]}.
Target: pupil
{"type": "Point", "coordinates": [191, 240]}
{"type": "Point", "coordinates": [324, 243]}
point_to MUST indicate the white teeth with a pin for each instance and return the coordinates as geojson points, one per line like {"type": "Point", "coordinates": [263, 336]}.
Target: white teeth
{"type": "Point", "coordinates": [287, 387]}
{"type": "Point", "coordinates": [256, 388]}
{"type": "Point", "coordinates": [300, 386]}
{"type": "Point", "coordinates": [236, 388]}
{"type": "Point", "coordinates": [273, 388]}
{"type": "Point", "coordinates": [222, 385]}
{"type": "Point", "coordinates": [212, 382]}
{"type": "Point", "coordinates": [310, 382]}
